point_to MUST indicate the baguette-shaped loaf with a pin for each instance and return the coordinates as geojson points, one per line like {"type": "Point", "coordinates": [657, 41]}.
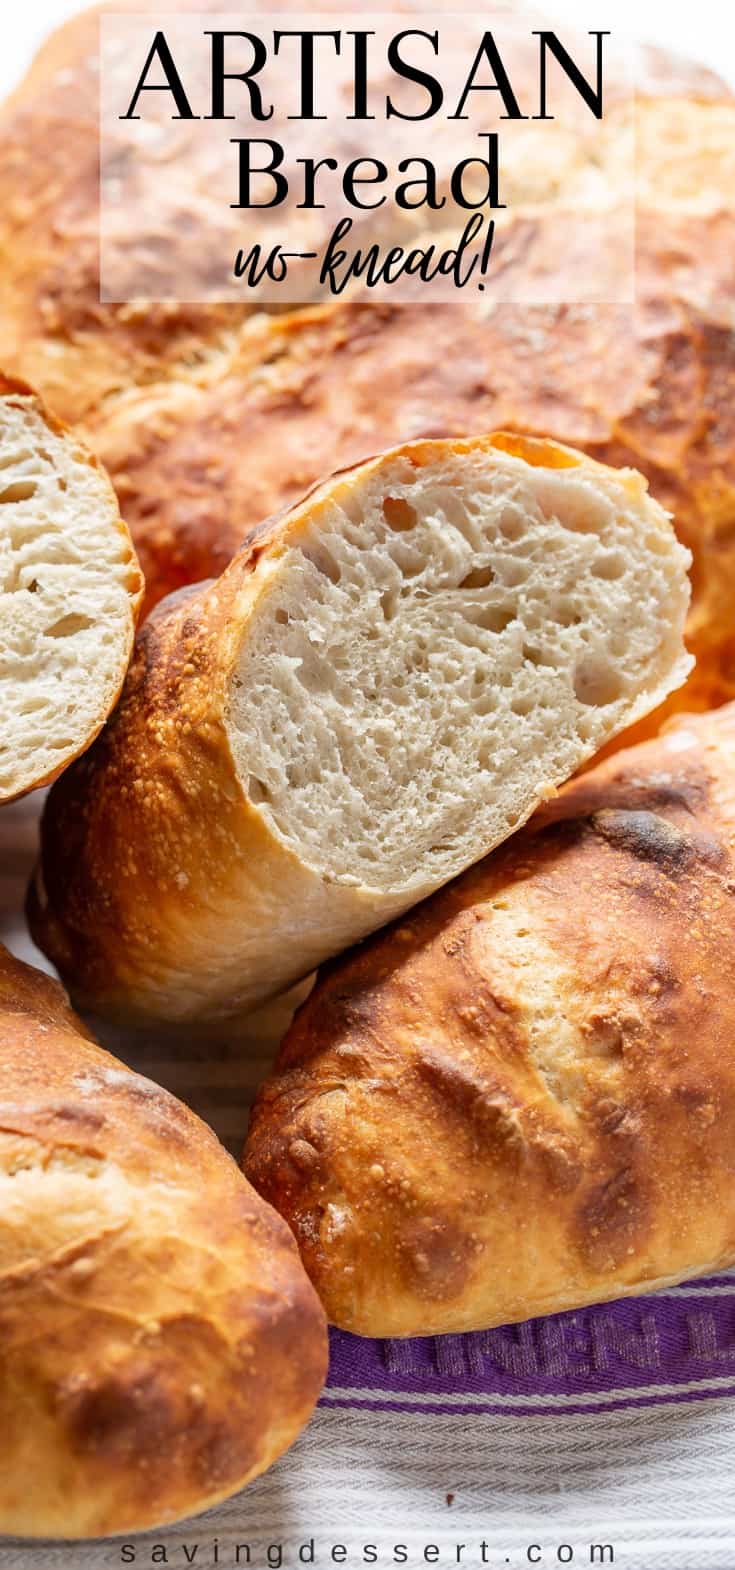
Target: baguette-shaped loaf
{"type": "Point", "coordinates": [70, 590]}
{"type": "Point", "coordinates": [380, 688]}
{"type": "Point", "coordinates": [521, 1098]}
{"type": "Point", "coordinates": [161, 1344]}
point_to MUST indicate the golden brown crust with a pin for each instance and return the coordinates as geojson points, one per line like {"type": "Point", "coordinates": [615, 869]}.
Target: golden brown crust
{"type": "Point", "coordinates": [53, 328]}
{"type": "Point", "coordinates": [521, 1098]}
{"type": "Point", "coordinates": [176, 1346]}
{"type": "Point", "coordinates": [197, 464]}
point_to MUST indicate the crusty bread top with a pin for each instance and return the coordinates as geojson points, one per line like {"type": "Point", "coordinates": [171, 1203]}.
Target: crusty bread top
{"type": "Point", "coordinates": [78, 351]}
{"type": "Point", "coordinates": [176, 1347]}
{"type": "Point", "coordinates": [70, 590]}
{"type": "Point", "coordinates": [521, 1097]}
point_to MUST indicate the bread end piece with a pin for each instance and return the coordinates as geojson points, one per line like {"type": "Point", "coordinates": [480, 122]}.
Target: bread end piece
{"type": "Point", "coordinates": [70, 592]}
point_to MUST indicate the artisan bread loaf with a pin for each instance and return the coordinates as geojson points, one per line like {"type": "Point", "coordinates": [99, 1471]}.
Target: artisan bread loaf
{"type": "Point", "coordinates": [521, 1097]}
{"type": "Point", "coordinates": [161, 1343]}
{"type": "Point", "coordinates": [70, 588]}
{"type": "Point", "coordinates": [80, 351]}
{"type": "Point", "coordinates": [381, 686]}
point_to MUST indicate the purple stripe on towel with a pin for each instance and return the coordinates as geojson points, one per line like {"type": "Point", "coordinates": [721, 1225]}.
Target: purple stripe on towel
{"type": "Point", "coordinates": [635, 1348]}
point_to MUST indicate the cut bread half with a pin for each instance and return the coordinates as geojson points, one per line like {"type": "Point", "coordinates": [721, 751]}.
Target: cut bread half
{"type": "Point", "coordinates": [70, 588]}
{"type": "Point", "coordinates": [380, 688]}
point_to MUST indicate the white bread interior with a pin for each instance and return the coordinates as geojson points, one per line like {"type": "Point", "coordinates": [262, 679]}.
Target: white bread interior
{"type": "Point", "coordinates": [69, 592]}
{"type": "Point", "coordinates": [449, 641]}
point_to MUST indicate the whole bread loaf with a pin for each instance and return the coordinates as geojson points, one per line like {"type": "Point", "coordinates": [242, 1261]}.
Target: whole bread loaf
{"type": "Point", "coordinates": [79, 351]}
{"type": "Point", "coordinates": [521, 1097]}
{"type": "Point", "coordinates": [70, 590]}
{"type": "Point", "coordinates": [161, 1344]}
{"type": "Point", "coordinates": [383, 684]}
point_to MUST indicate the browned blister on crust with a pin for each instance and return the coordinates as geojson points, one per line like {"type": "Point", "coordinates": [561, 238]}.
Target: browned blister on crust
{"type": "Point", "coordinates": [161, 1344]}
{"type": "Point", "coordinates": [521, 1098]}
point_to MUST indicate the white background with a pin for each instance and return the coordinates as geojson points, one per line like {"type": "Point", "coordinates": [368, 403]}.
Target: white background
{"type": "Point", "coordinates": [702, 29]}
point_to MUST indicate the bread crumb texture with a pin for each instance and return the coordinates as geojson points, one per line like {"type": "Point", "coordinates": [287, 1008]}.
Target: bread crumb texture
{"type": "Point", "coordinates": [70, 587]}
{"type": "Point", "coordinates": [449, 636]}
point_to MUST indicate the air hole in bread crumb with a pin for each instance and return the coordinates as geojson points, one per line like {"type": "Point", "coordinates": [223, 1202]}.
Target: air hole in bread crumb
{"type": "Point", "coordinates": [13, 456]}
{"type": "Point", "coordinates": [325, 563]}
{"type": "Point", "coordinates": [514, 572]}
{"type": "Point", "coordinates": [399, 514]}
{"type": "Point", "coordinates": [512, 526]}
{"type": "Point", "coordinates": [21, 491]}
{"type": "Point", "coordinates": [480, 578]}
{"type": "Point", "coordinates": [257, 791]}
{"type": "Point", "coordinates": [68, 626]}
{"type": "Point", "coordinates": [566, 614]}
{"type": "Point", "coordinates": [494, 618]}
{"type": "Point", "coordinates": [281, 617]}
{"type": "Point", "coordinates": [596, 682]}
{"type": "Point", "coordinates": [609, 566]}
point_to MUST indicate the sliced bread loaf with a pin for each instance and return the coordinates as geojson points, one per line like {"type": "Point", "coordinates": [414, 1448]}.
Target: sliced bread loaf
{"type": "Point", "coordinates": [383, 685]}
